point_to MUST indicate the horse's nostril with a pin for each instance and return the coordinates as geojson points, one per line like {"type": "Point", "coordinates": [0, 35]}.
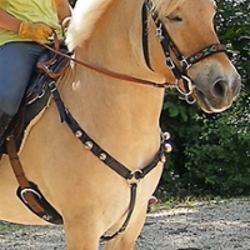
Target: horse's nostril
{"type": "Point", "coordinates": [219, 88]}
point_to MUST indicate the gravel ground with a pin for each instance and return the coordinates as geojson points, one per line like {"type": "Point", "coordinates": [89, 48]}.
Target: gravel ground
{"type": "Point", "coordinates": [223, 225]}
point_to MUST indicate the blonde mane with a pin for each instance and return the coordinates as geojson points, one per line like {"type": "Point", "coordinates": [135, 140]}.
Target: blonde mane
{"type": "Point", "coordinates": [87, 13]}
{"type": "Point", "coordinates": [84, 17]}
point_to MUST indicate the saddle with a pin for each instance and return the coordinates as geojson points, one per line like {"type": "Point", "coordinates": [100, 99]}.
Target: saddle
{"type": "Point", "coordinates": [50, 67]}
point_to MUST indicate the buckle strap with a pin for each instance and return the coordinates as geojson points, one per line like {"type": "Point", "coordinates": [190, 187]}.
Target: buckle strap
{"type": "Point", "coordinates": [133, 189]}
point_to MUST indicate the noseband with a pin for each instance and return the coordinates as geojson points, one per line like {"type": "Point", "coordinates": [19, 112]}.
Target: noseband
{"type": "Point", "coordinates": [168, 45]}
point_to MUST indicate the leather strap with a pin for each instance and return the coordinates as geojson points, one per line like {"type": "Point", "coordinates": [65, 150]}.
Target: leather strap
{"type": "Point", "coordinates": [111, 73]}
{"type": "Point", "coordinates": [99, 152]}
{"type": "Point", "coordinates": [145, 36]}
{"type": "Point", "coordinates": [133, 189]}
{"type": "Point", "coordinates": [20, 175]}
{"type": "Point", "coordinates": [45, 66]}
{"type": "Point", "coordinates": [132, 177]}
{"type": "Point", "coordinates": [28, 192]}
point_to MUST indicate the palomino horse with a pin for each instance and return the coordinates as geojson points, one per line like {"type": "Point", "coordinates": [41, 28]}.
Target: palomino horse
{"type": "Point", "coordinates": [130, 48]}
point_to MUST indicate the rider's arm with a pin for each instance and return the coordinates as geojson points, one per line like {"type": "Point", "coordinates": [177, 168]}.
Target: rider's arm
{"type": "Point", "coordinates": [63, 9]}
{"type": "Point", "coordinates": [9, 22]}
{"type": "Point", "coordinates": [38, 32]}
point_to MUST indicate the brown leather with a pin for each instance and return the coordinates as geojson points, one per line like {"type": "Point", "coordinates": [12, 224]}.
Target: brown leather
{"type": "Point", "coordinates": [45, 65]}
{"type": "Point", "coordinates": [105, 71]}
{"type": "Point", "coordinates": [20, 175]}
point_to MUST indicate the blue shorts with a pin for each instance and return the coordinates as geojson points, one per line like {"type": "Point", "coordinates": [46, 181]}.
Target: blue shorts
{"type": "Point", "coordinates": [17, 61]}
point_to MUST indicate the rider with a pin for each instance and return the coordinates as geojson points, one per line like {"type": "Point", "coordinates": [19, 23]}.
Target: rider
{"type": "Point", "coordinates": [25, 25]}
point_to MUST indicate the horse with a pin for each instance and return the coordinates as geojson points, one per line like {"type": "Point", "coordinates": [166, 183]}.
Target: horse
{"type": "Point", "coordinates": [125, 55]}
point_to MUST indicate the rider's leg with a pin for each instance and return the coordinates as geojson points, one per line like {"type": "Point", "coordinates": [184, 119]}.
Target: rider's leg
{"type": "Point", "coordinates": [17, 61]}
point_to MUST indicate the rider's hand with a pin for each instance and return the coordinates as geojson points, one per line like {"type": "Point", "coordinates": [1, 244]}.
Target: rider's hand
{"type": "Point", "coordinates": [38, 32]}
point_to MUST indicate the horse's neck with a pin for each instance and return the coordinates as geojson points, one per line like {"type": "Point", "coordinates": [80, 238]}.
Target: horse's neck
{"type": "Point", "coordinates": [110, 106]}
{"type": "Point", "coordinates": [121, 116]}
{"type": "Point", "coordinates": [116, 43]}
{"type": "Point", "coordinates": [112, 110]}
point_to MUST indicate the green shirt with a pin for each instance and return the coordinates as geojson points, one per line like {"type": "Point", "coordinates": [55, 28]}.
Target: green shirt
{"type": "Point", "coordinates": [29, 10]}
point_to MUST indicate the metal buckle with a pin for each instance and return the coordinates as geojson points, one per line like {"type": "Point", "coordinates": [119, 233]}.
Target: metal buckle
{"type": "Point", "coordinates": [150, 5]}
{"type": "Point", "coordinates": [170, 62]}
{"type": "Point", "coordinates": [189, 84]}
{"type": "Point", "coordinates": [159, 32]}
{"type": "Point", "coordinates": [190, 101]}
{"type": "Point", "coordinates": [186, 95]}
{"type": "Point", "coordinates": [187, 99]}
{"type": "Point", "coordinates": [185, 64]}
{"type": "Point", "coordinates": [52, 86]}
{"type": "Point", "coordinates": [180, 90]}
{"type": "Point", "coordinates": [133, 179]}
{"type": "Point", "coordinates": [26, 190]}
{"type": "Point", "coordinates": [41, 94]}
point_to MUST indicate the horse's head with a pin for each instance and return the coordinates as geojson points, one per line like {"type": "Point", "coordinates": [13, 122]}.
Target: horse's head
{"type": "Point", "coordinates": [195, 50]}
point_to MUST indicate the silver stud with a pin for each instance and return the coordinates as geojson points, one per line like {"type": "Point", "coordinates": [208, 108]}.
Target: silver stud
{"type": "Point", "coordinates": [166, 135]}
{"type": "Point", "coordinates": [163, 159]}
{"type": "Point", "coordinates": [89, 145]}
{"type": "Point", "coordinates": [47, 217]}
{"type": "Point", "coordinates": [168, 147]}
{"type": "Point", "coordinates": [78, 133]}
{"type": "Point", "coordinates": [103, 156]}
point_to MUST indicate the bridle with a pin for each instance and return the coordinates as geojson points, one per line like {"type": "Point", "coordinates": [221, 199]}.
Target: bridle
{"type": "Point", "coordinates": [168, 45]}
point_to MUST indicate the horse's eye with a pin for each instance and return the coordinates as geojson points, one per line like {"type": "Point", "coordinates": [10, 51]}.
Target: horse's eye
{"type": "Point", "coordinates": [174, 18]}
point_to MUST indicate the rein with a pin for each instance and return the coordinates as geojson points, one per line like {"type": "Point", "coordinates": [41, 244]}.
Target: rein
{"type": "Point", "coordinates": [106, 72]}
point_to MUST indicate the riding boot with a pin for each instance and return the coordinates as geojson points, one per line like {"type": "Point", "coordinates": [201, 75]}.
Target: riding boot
{"type": "Point", "coordinates": [5, 120]}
